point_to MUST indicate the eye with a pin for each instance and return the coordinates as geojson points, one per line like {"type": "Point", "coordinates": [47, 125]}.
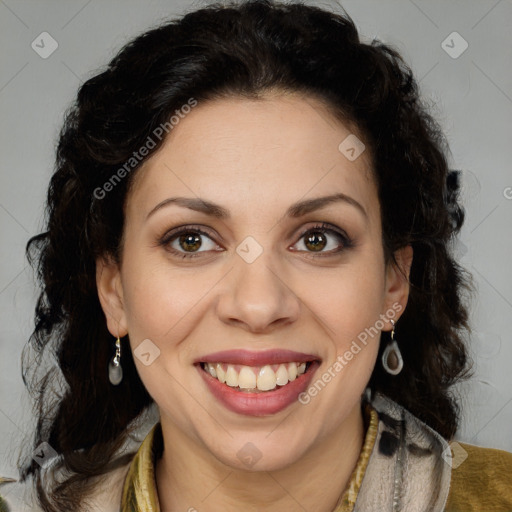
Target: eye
{"type": "Point", "coordinates": [191, 241]}
{"type": "Point", "coordinates": [188, 242]}
{"type": "Point", "coordinates": [323, 240]}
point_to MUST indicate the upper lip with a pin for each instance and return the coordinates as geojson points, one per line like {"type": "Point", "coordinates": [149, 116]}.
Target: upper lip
{"type": "Point", "coordinates": [259, 358]}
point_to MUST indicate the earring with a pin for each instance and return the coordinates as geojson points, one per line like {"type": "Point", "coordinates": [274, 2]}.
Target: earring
{"type": "Point", "coordinates": [115, 370]}
{"type": "Point", "coordinates": [392, 358]}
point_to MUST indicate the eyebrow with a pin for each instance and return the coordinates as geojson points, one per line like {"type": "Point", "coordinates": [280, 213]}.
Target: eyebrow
{"type": "Point", "coordinates": [296, 210]}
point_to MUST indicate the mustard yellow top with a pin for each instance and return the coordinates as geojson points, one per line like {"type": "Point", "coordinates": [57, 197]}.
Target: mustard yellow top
{"type": "Point", "coordinates": [482, 482]}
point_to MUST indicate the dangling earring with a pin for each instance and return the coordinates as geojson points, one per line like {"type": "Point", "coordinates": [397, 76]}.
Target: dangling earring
{"type": "Point", "coordinates": [115, 370]}
{"type": "Point", "coordinates": [391, 357]}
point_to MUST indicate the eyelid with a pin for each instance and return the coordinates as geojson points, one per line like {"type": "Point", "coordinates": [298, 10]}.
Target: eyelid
{"type": "Point", "coordinates": [184, 229]}
{"type": "Point", "coordinates": [327, 227]}
{"type": "Point", "coordinates": [324, 226]}
{"type": "Point", "coordinates": [166, 239]}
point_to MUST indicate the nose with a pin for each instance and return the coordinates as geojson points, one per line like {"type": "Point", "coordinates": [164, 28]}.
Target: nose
{"type": "Point", "coordinates": [257, 298]}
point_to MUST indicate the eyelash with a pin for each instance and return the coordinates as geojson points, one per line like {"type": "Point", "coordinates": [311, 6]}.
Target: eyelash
{"type": "Point", "coordinates": [323, 227]}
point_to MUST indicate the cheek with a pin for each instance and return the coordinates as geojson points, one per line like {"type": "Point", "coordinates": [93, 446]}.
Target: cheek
{"type": "Point", "coordinates": [348, 300]}
{"type": "Point", "coordinates": [160, 301]}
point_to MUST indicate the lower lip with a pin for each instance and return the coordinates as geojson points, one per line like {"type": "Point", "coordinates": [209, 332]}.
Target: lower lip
{"type": "Point", "coordinates": [259, 404]}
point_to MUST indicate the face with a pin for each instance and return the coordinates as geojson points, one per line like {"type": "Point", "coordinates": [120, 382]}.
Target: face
{"type": "Point", "coordinates": [254, 270]}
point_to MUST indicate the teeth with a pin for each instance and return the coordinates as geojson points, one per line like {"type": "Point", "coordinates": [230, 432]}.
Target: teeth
{"type": "Point", "coordinates": [263, 378]}
{"type": "Point", "coordinates": [292, 371]}
{"type": "Point", "coordinates": [231, 377]}
{"type": "Point", "coordinates": [221, 374]}
{"type": "Point", "coordinates": [246, 378]}
{"type": "Point", "coordinates": [282, 375]}
{"type": "Point", "coordinates": [266, 379]}
{"type": "Point", "coordinates": [212, 370]}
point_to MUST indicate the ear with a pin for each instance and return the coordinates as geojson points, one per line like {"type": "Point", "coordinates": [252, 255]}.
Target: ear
{"type": "Point", "coordinates": [110, 293]}
{"type": "Point", "coordinates": [397, 283]}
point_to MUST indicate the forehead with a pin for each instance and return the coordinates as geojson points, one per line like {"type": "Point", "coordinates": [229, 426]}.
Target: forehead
{"type": "Point", "coordinates": [277, 149]}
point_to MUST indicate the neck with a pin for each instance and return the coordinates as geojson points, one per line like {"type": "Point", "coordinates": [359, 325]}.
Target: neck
{"type": "Point", "coordinates": [189, 478]}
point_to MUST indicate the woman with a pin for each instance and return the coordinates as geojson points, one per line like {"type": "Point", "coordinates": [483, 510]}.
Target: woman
{"type": "Point", "coordinates": [249, 226]}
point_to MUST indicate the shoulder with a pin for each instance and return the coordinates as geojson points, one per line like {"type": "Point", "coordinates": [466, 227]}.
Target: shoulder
{"type": "Point", "coordinates": [481, 477]}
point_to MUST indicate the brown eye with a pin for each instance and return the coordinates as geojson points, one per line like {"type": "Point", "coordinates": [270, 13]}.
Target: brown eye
{"type": "Point", "coordinates": [316, 241]}
{"type": "Point", "coordinates": [324, 240]}
{"type": "Point", "coordinates": [190, 242]}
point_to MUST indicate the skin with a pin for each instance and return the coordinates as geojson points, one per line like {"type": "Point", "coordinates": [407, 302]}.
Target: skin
{"type": "Point", "coordinates": [255, 159]}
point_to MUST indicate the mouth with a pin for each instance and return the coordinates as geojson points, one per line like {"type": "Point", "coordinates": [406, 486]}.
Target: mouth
{"type": "Point", "coordinates": [256, 379]}
{"type": "Point", "coordinates": [257, 383]}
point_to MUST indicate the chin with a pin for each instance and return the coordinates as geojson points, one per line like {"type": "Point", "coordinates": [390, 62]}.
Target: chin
{"type": "Point", "coordinates": [260, 453]}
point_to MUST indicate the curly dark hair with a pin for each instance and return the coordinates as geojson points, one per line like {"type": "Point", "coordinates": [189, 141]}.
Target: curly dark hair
{"type": "Point", "coordinates": [239, 49]}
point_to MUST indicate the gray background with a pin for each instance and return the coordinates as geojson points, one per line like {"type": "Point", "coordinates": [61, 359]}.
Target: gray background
{"type": "Point", "coordinates": [473, 98]}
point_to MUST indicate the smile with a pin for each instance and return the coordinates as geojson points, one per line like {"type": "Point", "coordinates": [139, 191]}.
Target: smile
{"type": "Point", "coordinates": [254, 379]}
{"type": "Point", "coordinates": [257, 383]}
